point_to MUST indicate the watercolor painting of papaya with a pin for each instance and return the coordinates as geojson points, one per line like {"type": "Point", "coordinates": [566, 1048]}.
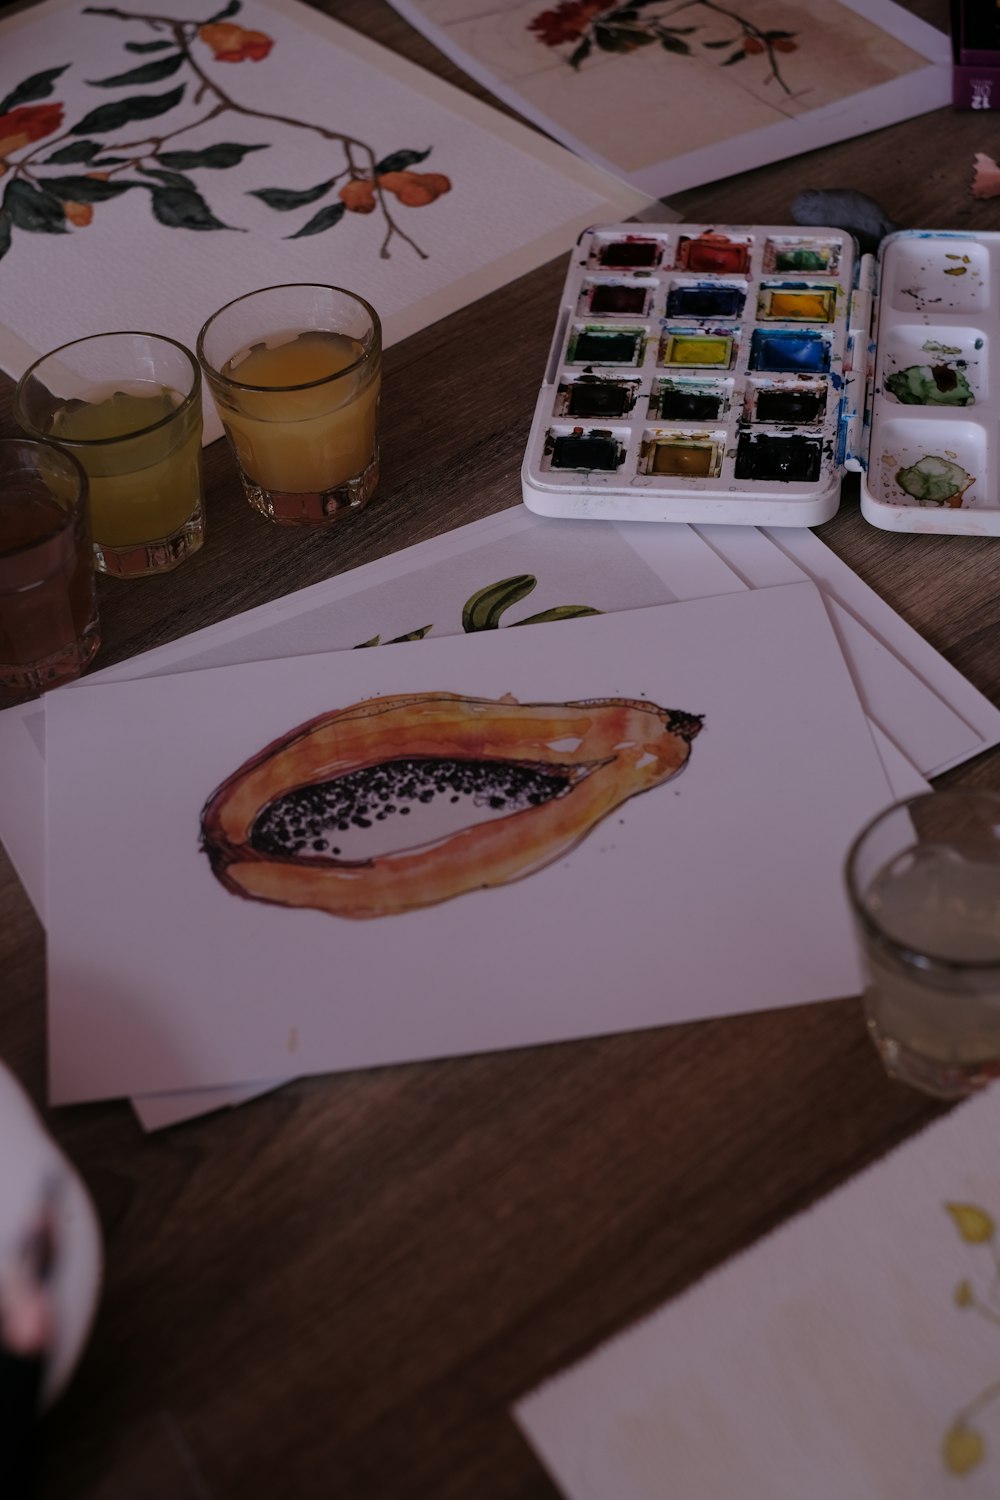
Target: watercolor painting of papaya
{"type": "Point", "coordinates": [408, 800]}
{"type": "Point", "coordinates": [37, 146]}
{"type": "Point", "coordinates": [674, 93]}
{"type": "Point", "coordinates": [964, 1447]}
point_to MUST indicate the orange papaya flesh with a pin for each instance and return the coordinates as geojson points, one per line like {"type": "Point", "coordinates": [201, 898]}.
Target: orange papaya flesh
{"type": "Point", "coordinates": [548, 772]}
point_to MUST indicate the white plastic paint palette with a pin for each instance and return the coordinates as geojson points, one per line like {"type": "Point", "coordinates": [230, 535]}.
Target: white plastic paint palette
{"type": "Point", "coordinates": [931, 464]}
{"type": "Point", "coordinates": [696, 374]}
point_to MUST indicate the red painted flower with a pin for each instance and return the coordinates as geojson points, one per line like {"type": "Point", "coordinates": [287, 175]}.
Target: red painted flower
{"type": "Point", "coordinates": [29, 122]}
{"type": "Point", "coordinates": [235, 44]}
{"type": "Point", "coordinates": [568, 21]}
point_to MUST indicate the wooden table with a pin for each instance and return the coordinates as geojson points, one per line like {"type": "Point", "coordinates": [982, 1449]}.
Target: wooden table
{"type": "Point", "coordinates": [339, 1290]}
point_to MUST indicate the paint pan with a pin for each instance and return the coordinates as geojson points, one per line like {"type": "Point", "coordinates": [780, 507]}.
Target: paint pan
{"type": "Point", "coordinates": [683, 455]}
{"type": "Point", "coordinates": [697, 347]}
{"type": "Point", "coordinates": [787, 457]}
{"type": "Point", "coordinates": [778, 349]}
{"type": "Point", "coordinates": [593, 451]}
{"type": "Point", "coordinates": [796, 302]}
{"type": "Point", "coordinates": [610, 299]}
{"type": "Point", "coordinates": [596, 345]}
{"type": "Point", "coordinates": [630, 250]}
{"type": "Point", "coordinates": [790, 402]}
{"type": "Point", "coordinates": [802, 253]}
{"type": "Point", "coordinates": [689, 400]}
{"type": "Point", "coordinates": [701, 299]}
{"type": "Point", "coordinates": [592, 397]}
{"type": "Point", "coordinates": [715, 251]}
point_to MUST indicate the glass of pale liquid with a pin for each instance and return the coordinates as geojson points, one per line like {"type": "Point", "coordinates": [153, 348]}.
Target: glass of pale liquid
{"type": "Point", "coordinates": [924, 882]}
{"type": "Point", "coordinates": [48, 606]}
{"type": "Point", "coordinates": [128, 406]}
{"type": "Point", "coordinates": [296, 373]}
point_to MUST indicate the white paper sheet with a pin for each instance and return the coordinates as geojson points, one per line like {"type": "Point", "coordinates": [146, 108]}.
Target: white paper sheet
{"type": "Point", "coordinates": [854, 1352]}
{"type": "Point", "coordinates": [253, 987]}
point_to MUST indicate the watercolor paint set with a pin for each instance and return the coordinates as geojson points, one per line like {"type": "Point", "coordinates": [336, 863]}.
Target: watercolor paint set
{"type": "Point", "coordinates": [723, 373]}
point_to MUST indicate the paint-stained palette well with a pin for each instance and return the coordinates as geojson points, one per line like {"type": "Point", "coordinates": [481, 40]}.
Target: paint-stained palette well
{"type": "Point", "coordinates": [696, 374]}
{"type": "Point", "coordinates": [932, 456]}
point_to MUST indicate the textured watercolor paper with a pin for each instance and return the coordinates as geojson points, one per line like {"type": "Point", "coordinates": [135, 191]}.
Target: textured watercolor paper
{"type": "Point", "coordinates": [853, 1352]}
{"type": "Point", "coordinates": [255, 989]}
{"type": "Point", "coordinates": [717, 89]}
{"type": "Point", "coordinates": [204, 159]}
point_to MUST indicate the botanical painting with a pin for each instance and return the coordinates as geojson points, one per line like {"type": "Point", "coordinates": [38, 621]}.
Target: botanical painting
{"type": "Point", "coordinates": [159, 158]}
{"type": "Point", "coordinates": [639, 85]}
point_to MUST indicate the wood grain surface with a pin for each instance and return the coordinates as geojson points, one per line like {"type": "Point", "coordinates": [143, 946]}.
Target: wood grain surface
{"type": "Point", "coordinates": [338, 1290]}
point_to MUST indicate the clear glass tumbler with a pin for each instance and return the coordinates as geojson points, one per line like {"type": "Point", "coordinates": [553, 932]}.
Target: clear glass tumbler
{"type": "Point", "coordinates": [48, 605]}
{"type": "Point", "coordinates": [923, 879]}
{"type": "Point", "coordinates": [128, 405]}
{"type": "Point", "coordinates": [296, 374]}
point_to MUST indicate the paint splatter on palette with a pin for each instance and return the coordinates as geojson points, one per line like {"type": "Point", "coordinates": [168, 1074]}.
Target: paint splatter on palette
{"type": "Point", "coordinates": [696, 374]}
{"type": "Point", "coordinates": [931, 466]}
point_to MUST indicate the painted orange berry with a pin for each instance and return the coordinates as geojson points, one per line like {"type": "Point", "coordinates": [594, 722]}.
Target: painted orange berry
{"type": "Point", "coordinates": [358, 195]}
{"type": "Point", "coordinates": [99, 176]}
{"type": "Point", "coordinates": [752, 44]}
{"type": "Point", "coordinates": [784, 44]}
{"type": "Point", "coordinates": [79, 214]}
{"type": "Point", "coordinates": [415, 189]}
{"type": "Point", "coordinates": [234, 44]}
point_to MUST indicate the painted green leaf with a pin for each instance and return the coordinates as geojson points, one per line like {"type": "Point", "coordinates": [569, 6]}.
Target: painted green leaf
{"type": "Point", "coordinates": [38, 86]}
{"type": "Point", "coordinates": [140, 107]}
{"type": "Point", "coordinates": [729, 43]}
{"type": "Point", "coordinates": [33, 209]}
{"type": "Point", "coordinates": [582, 53]}
{"type": "Point", "coordinates": [222, 154]}
{"type": "Point", "coordinates": [671, 43]}
{"type": "Point", "coordinates": [610, 39]}
{"type": "Point", "coordinates": [398, 161]}
{"type": "Point", "coordinates": [109, 161]}
{"type": "Point", "coordinates": [411, 635]}
{"type": "Point", "coordinates": [779, 36]}
{"type": "Point", "coordinates": [75, 151]}
{"type": "Point", "coordinates": [152, 72]}
{"type": "Point", "coordinates": [147, 46]}
{"type": "Point", "coordinates": [373, 641]}
{"type": "Point", "coordinates": [560, 612]}
{"type": "Point", "coordinates": [87, 189]}
{"type": "Point", "coordinates": [172, 179]}
{"type": "Point", "coordinates": [483, 609]}
{"type": "Point", "coordinates": [183, 208]}
{"type": "Point", "coordinates": [284, 199]}
{"type": "Point", "coordinates": [325, 219]}
{"type": "Point", "coordinates": [736, 57]}
{"type": "Point", "coordinates": [232, 9]}
{"type": "Point", "coordinates": [974, 1224]}
{"type": "Point", "coordinates": [5, 233]}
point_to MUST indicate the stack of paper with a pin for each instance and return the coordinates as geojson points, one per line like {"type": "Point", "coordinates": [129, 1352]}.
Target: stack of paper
{"type": "Point", "coordinates": [819, 706]}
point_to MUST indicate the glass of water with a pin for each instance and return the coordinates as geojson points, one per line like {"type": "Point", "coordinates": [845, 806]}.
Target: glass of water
{"type": "Point", "coordinates": [923, 879]}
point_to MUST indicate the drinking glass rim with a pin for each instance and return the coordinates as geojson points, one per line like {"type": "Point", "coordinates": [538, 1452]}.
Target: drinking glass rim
{"type": "Point", "coordinates": [916, 957]}
{"type": "Point", "coordinates": [304, 385]}
{"type": "Point", "coordinates": [126, 437]}
{"type": "Point", "coordinates": [83, 488]}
